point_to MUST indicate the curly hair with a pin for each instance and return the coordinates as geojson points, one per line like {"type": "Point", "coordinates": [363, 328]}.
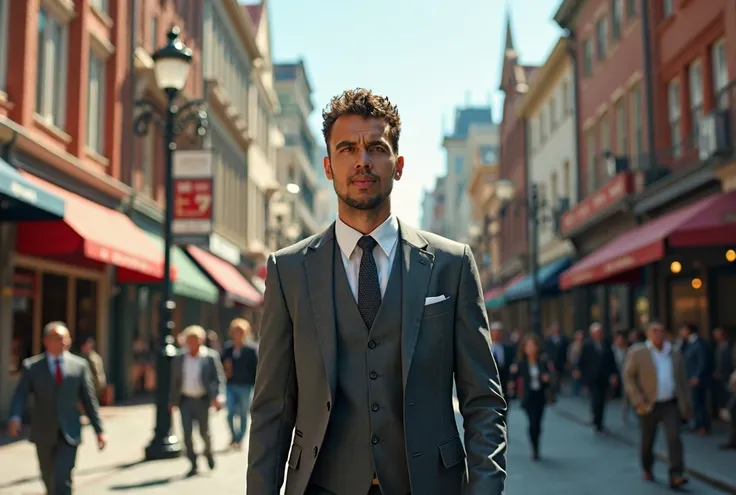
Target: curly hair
{"type": "Point", "coordinates": [366, 104]}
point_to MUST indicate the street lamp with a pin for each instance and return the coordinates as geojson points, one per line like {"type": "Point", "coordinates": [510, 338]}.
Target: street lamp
{"type": "Point", "coordinates": [275, 233]}
{"type": "Point", "coordinates": [171, 70]}
{"type": "Point", "coordinates": [506, 194]}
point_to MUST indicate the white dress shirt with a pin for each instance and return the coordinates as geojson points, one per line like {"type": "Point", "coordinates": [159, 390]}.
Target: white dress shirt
{"type": "Point", "coordinates": [665, 371]}
{"type": "Point", "coordinates": [387, 237]}
{"type": "Point", "coordinates": [191, 384]}
{"type": "Point", "coordinates": [535, 382]}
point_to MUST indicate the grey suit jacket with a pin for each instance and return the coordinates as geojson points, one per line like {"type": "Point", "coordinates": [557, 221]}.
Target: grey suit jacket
{"type": "Point", "coordinates": [55, 407]}
{"type": "Point", "coordinates": [213, 376]}
{"type": "Point", "coordinates": [442, 342]}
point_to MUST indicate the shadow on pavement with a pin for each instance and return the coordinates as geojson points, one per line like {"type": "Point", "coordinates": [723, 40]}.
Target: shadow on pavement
{"type": "Point", "coordinates": [145, 484]}
{"type": "Point", "coordinates": [95, 470]}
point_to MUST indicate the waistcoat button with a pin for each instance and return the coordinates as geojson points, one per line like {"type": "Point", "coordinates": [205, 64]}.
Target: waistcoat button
{"type": "Point", "coordinates": [374, 440]}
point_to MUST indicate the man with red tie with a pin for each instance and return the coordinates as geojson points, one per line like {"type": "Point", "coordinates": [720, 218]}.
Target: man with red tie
{"type": "Point", "coordinates": [58, 381]}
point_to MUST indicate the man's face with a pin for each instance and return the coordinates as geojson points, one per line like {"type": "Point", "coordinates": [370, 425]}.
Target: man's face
{"type": "Point", "coordinates": [684, 332]}
{"type": "Point", "coordinates": [656, 334]}
{"type": "Point", "coordinates": [57, 341]}
{"type": "Point", "coordinates": [496, 335]}
{"type": "Point", "coordinates": [193, 344]}
{"type": "Point", "coordinates": [596, 334]}
{"type": "Point", "coordinates": [361, 164]}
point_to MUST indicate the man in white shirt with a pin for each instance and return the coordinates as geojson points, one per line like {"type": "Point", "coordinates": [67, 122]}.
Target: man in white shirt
{"type": "Point", "coordinates": [197, 382]}
{"type": "Point", "coordinates": [656, 383]}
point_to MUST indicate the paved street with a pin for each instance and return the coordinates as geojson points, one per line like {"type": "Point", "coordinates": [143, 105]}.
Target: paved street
{"type": "Point", "coordinates": [575, 462]}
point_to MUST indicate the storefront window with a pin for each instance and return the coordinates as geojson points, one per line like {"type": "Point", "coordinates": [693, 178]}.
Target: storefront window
{"type": "Point", "coordinates": [86, 310]}
{"type": "Point", "coordinates": [54, 299]}
{"type": "Point", "coordinates": [24, 292]}
{"type": "Point", "coordinates": [689, 303]}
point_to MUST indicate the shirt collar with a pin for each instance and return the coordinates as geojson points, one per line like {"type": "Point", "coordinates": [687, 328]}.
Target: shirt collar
{"type": "Point", "coordinates": [386, 235]}
{"type": "Point", "coordinates": [201, 353]}
{"type": "Point", "coordinates": [53, 359]}
{"type": "Point", "coordinates": [666, 347]}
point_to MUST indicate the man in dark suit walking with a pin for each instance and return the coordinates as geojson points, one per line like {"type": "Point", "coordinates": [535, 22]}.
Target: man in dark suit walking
{"type": "Point", "coordinates": [597, 369]}
{"type": "Point", "coordinates": [365, 328]}
{"type": "Point", "coordinates": [698, 365]}
{"type": "Point", "coordinates": [58, 381]}
{"type": "Point", "coordinates": [504, 355]}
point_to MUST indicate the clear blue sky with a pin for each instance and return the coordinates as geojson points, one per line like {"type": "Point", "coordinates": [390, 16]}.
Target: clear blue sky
{"type": "Point", "coordinates": [427, 56]}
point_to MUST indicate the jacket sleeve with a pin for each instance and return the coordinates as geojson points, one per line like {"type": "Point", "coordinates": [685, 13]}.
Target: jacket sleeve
{"type": "Point", "coordinates": [631, 377]}
{"type": "Point", "coordinates": [22, 391]}
{"type": "Point", "coordinates": [478, 386]}
{"type": "Point", "coordinates": [219, 376]}
{"type": "Point", "coordinates": [273, 411]}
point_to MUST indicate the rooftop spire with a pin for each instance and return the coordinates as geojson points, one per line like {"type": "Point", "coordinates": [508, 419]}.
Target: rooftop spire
{"type": "Point", "coordinates": [509, 47]}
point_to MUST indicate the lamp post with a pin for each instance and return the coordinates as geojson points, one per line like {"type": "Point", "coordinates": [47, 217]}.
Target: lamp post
{"type": "Point", "coordinates": [275, 233]}
{"type": "Point", "coordinates": [506, 192]}
{"type": "Point", "coordinates": [171, 70]}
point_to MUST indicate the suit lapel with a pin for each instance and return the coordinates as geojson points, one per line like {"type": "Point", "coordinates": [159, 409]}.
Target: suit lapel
{"type": "Point", "coordinates": [417, 265]}
{"type": "Point", "coordinates": [318, 263]}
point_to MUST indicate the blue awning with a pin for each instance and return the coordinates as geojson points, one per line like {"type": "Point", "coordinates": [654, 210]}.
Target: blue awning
{"type": "Point", "coordinates": [23, 200]}
{"type": "Point", "coordinates": [547, 277]}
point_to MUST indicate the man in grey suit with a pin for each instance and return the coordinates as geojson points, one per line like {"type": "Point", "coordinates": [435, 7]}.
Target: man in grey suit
{"type": "Point", "coordinates": [365, 329]}
{"type": "Point", "coordinates": [197, 382]}
{"type": "Point", "coordinates": [58, 381]}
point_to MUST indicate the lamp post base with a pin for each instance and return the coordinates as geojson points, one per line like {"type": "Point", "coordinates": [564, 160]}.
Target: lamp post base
{"type": "Point", "coordinates": [167, 447]}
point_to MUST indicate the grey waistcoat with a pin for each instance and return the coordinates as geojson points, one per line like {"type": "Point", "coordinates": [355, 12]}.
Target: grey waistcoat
{"type": "Point", "coordinates": [366, 430]}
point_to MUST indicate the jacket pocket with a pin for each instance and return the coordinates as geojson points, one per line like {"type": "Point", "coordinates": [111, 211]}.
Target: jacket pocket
{"type": "Point", "coordinates": [452, 452]}
{"type": "Point", "coordinates": [295, 457]}
{"type": "Point", "coordinates": [438, 308]}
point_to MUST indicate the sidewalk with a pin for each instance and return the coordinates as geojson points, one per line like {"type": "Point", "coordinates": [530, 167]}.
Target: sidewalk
{"type": "Point", "coordinates": [702, 457]}
{"type": "Point", "coordinates": [119, 468]}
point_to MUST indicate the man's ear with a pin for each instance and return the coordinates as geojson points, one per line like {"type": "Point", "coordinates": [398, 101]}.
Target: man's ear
{"type": "Point", "coordinates": [399, 169]}
{"type": "Point", "coordinates": [328, 167]}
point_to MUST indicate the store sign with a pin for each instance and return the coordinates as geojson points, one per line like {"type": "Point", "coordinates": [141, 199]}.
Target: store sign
{"type": "Point", "coordinates": [193, 192]}
{"type": "Point", "coordinates": [615, 190]}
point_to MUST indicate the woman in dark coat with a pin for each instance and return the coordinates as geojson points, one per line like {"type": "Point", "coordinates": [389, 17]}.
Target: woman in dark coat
{"type": "Point", "coordinates": [532, 379]}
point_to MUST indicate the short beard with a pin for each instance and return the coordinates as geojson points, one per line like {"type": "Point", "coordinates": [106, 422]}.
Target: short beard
{"type": "Point", "coordinates": [366, 205]}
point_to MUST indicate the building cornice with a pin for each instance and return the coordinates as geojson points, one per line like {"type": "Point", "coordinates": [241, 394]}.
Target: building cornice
{"type": "Point", "coordinates": [544, 78]}
{"type": "Point", "coordinates": [567, 14]}
{"type": "Point", "coordinates": [243, 24]}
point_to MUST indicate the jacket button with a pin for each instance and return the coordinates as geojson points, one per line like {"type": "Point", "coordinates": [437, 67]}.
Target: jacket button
{"type": "Point", "coordinates": [374, 407]}
{"type": "Point", "coordinates": [373, 375]}
{"type": "Point", "coordinates": [314, 451]}
{"type": "Point", "coordinates": [328, 406]}
{"type": "Point", "coordinates": [372, 344]}
{"type": "Point", "coordinates": [374, 440]}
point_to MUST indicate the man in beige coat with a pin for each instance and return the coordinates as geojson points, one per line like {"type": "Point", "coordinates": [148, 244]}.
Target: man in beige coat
{"type": "Point", "coordinates": [656, 384]}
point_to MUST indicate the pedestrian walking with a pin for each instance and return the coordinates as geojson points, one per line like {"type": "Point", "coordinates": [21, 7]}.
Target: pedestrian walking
{"type": "Point", "coordinates": [57, 380]}
{"type": "Point", "coordinates": [698, 364]}
{"type": "Point", "coordinates": [504, 355]}
{"type": "Point", "coordinates": [365, 328]}
{"type": "Point", "coordinates": [656, 382]}
{"type": "Point", "coordinates": [239, 359]}
{"type": "Point", "coordinates": [96, 366]}
{"type": "Point", "coordinates": [532, 376]}
{"type": "Point", "coordinates": [597, 369]}
{"type": "Point", "coordinates": [197, 383]}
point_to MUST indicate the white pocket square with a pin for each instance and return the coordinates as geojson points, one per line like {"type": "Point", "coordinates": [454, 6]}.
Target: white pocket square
{"type": "Point", "coordinates": [435, 300]}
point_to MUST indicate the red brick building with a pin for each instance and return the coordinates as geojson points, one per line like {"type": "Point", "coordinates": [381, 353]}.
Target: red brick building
{"type": "Point", "coordinates": [513, 229]}
{"type": "Point", "coordinates": [611, 115]}
{"type": "Point", "coordinates": [653, 230]}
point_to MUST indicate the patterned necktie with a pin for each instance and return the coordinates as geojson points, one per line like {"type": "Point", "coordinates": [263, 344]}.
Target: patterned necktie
{"type": "Point", "coordinates": [369, 290]}
{"type": "Point", "coordinates": [59, 377]}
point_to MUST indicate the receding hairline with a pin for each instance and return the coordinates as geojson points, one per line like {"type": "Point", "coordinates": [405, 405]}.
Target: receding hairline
{"type": "Point", "coordinates": [55, 326]}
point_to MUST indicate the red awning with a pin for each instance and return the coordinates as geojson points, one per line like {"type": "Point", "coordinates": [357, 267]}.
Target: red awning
{"type": "Point", "coordinates": [493, 293]}
{"type": "Point", "coordinates": [227, 277]}
{"type": "Point", "coordinates": [96, 233]}
{"type": "Point", "coordinates": [708, 222]}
